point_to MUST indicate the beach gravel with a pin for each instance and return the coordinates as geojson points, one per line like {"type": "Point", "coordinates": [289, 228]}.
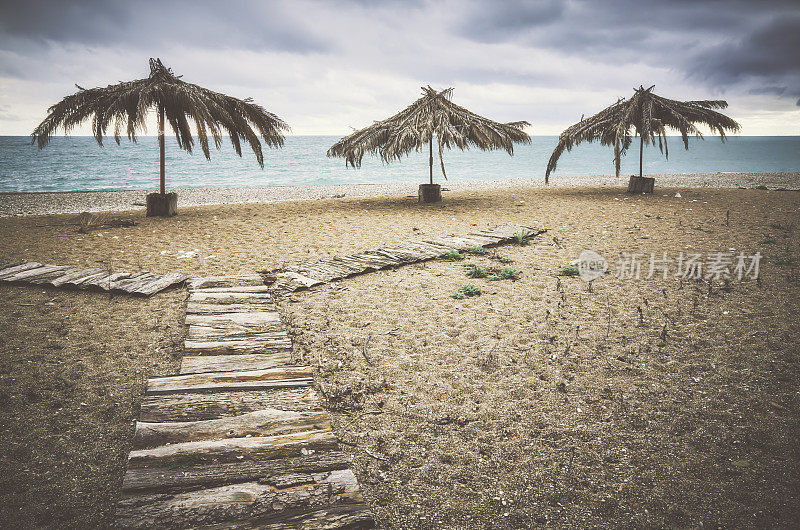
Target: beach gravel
{"type": "Point", "coordinates": [106, 201]}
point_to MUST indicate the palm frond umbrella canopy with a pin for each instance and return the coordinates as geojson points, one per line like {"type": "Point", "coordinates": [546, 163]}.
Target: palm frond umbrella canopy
{"type": "Point", "coordinates": [126, 104]}
{"type": "Point", "coordinates": [647, 115]}
{"type": "Point", "coordinates": [434, 114]}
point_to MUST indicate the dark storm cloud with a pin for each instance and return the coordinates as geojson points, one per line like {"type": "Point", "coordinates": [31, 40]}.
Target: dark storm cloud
{"type": "Point", "coordinates": [718, 42]}
{"type": "Point", "coordinates": [772, 49]}
{"type": "Point", "coordinates": [199, 23]}
{"type": "Point", "coordinates": [499, 21]}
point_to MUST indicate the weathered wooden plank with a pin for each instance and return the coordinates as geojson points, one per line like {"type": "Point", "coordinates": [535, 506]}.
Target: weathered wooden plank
{"type": "Point", "coordinates": [102, 281]}
{"type": "Point", "coordinates": [225, 281]}
{"type": "Point", "coordinates": [235, 502]}
{"type": "Point", "coordinates": [407, 255]}
{"type": "Point", "coordinates": [162, 282]}
{"type": "Point", "coordinates": [8, 264]}
{"type": "Point", "coordinates": [316, 273]}
{"type": "Point", "coordinates": [229, 332]}
{"type": "Point", "coordinates": [421, 250]}
{"type": "Point", "coordinates": [445, 243]}
{"type": "Point", "coordinates": [185, 478]}
{"type": "Point", "coordinates": [247, 380]}
{"type": "Point", "coordinates": [242, 318]}
{"type": "Point", "coordinates": [72, 274]}
{"type": "Point", "coordinates": [380, 258]}
{"type": "Point", "coordinates": [370, 261]}
{"type": "Point", "coordinates": [267, 342]}
{"type": "Point", "coordinates": [394, 258]}
{"type": "Point", "coordinates": [357, 264]}
{"type": "Point", "coordinates": [115, 279]}
{"type": "Point", "coordinates": [10, 271]}
{"type": "Point", "coordinates": [328, 267]}
{"type": "Point", "coordinates": [30, 274]}
{"type": "Point", "coordinates": [84, 278]}
{"type": "Point", "coordinates": [236, 289]}
{"type": "Point", "coordinates": [347, 269]}
{"type": "Point", "coordinates": [48, 277]}
{"type": "Point", "coordinates": [301, 279]}
{"type": "Point", "coordinates": [349, 516]}
{"type": "Point", "coordinates": [201, 406]}
{"type": "Point", "coordinates": [233, 449]}
{"type": "Point", "coordinates": [267, 422]}
{"type": "Point", "coordinates": [195, 364]}
{"type": "Point", "coordinates": [246, 319]}
{"type": "Point", "coordinates": [440, 243]}
{"type": "Point", "coordinates": [200, 308]}
{"type": "Point", "coordinates": [224, 298]}
{"type": "Point", "coordinates": [133, 279]}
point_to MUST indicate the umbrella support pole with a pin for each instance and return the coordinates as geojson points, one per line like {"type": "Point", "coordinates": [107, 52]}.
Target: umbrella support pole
{"type": "Point", "coordinates": [161, 204]}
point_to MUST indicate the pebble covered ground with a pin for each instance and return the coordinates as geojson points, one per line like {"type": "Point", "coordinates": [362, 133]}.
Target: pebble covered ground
{"type": "Point", "coordinates": [12, 204]}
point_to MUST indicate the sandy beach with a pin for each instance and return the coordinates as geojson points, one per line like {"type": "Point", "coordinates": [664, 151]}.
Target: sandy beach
{"type": "Point", "coordinates": [642, 403]}
{"type": "Point", "coordinates": [12, 204]}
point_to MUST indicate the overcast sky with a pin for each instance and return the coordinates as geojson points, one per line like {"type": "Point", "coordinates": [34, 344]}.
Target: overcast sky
{"type": "Point", "coordinates": [325, 67]}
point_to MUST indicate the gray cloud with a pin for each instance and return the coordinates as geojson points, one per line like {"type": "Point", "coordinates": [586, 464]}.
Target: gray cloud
{"type": "Point", "coordinates": [771, 50]}
{"type": "Point", "coordinates": [500, 21]}
{"type": "Point", "coordinates": [719, 42]}
{"type": "Point", "coordinates": [326, 65]}
{"type": "Point", "coordinates": [147, 23]}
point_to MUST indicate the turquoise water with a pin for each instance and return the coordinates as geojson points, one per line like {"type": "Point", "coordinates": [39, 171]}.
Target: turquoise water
{"type": "Point", "coordinates": [77, 163]}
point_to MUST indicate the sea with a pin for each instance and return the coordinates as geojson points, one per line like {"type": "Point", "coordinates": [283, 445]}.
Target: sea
{"type": "Point", "coordinates": [77, 163]}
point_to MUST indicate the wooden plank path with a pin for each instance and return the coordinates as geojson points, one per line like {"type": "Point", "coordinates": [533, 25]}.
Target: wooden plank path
{"type": "Point", "coordinates": [140, 283]}
{"type": "Point", "coordinates": [307, 275]}
{"type": "Point", "coordinates": [238, 439]}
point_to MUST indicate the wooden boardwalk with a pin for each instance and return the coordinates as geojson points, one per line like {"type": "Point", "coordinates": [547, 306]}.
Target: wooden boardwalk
{"type": "Point", "coordinates": [311, 274]}
{"type": "Point", "coordinates": [239, 438]}
{"type": "Point", "coordinates": [140, 283]}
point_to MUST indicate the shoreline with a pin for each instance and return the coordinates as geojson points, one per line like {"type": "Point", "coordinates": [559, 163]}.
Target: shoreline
{"type": "Point", "coordinates": [65, 202]}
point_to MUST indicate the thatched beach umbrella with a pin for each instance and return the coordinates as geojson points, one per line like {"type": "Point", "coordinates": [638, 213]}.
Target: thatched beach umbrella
{"type": "Point", "coordinates": [648, 116]}
{"type": "Point", "coordinates": [434, 114]}
{"type": "Point", "coordinates": [125, 105]}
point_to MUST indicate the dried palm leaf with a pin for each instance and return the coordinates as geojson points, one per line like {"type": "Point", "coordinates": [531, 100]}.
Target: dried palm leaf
{"type": "Point", "coordinates": [126, 104]}
{"type": "Point", "coordinates": [434, 114]}
{"type": "Point", "coordinates": [648, 116]}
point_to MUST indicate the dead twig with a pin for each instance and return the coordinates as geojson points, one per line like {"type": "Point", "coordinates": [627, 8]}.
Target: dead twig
{"type": "Point", "coordinates": [369, 453]}
{"type": "Point", "coordinates": [364, 351]}
{"type": "Point", "coordinates": [359, 416]}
